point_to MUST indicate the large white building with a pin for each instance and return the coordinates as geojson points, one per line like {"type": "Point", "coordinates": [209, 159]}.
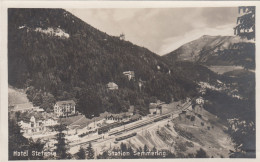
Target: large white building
{"type": "Point", "coordinates": [64, 108]}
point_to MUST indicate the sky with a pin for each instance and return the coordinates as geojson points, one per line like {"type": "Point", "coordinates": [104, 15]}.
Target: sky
{"type": "Point", "coordinates": [161, 30]}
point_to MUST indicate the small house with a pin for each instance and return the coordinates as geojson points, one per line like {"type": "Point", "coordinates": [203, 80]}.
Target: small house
{"type": "Point", "coordinates": [112, 86]}
{"type": "Point", "coordinates": [200, 101]}
{"type": "Point", "coordinates": [130, 74]}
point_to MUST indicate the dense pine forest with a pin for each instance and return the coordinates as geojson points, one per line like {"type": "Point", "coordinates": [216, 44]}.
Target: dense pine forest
{"type": "Point", "coordinates": [78, 65]}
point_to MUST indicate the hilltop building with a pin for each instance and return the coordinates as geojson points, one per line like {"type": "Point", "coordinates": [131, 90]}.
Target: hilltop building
{"type": "Point", "coordinates": [112, 86]}
{"type": "Point", "coordinates": [64, 108]}
{"type": "Point", "coordinates": [129, 74]}
{"type": "Point", "coordinates": [200, 101]}
{"type": "Point", "coordinates": [122, 36]}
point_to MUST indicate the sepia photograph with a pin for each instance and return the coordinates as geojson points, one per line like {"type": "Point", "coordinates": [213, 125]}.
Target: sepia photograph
{"type": "Point", "coordinates": [131, 83]}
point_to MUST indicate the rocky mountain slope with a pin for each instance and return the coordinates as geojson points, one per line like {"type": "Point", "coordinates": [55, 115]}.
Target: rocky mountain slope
{"type": "Point", "coordinates": [216, 50]}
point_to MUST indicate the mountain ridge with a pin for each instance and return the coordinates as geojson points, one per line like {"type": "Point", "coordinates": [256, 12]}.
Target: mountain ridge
{"type": "Point", "coordinates": [215, 50]}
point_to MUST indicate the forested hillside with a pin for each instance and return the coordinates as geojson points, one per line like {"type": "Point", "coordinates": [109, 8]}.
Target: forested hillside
{"type": "Point", "coordinates": [57, 56]}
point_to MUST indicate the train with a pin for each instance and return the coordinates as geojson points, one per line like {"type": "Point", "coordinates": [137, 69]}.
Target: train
{"type": "Point", "coordinates": [125, 137]}
{"type": "Point", "coordinates": [161, 118]}
{"type": "Point", "coordinates": [117, 132]}
{"type": "Point", "coordinates": [87, 133]}
{"type": "Point", "coordinates": [106, 128]}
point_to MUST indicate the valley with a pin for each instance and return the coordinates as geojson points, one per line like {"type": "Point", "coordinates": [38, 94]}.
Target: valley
{"type": "Point", "coordinates": [84, 94]}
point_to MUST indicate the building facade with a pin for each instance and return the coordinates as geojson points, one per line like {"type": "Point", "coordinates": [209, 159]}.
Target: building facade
{"type": "Point", "coordinates": [36, 123]}
{"type": "Point", "coordinates": [64, 108]}
{"type": "Point", "coordinates": [200, 101]}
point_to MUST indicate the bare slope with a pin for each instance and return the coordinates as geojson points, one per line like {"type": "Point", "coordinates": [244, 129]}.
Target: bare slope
{"type": "Point", "coordinates": [16, 96]}
{"type": "Point", "coordinates": [216, 50]}
{"type": "Point", "coordinates": [180, 136]}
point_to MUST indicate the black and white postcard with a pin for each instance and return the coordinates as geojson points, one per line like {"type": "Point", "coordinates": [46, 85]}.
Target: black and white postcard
{"type": "Point", "coordinates": [129, 80]}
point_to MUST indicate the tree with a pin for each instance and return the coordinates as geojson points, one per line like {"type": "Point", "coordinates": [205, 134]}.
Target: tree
{"type": "Point", "coordinates": [82, 153]}
{"type": "Point", "coordinates": [104, 155]}
{"type": "Point", "coordinates": [35, 146]}
{"type": "Point", "coordinates": [201, 154]}
{"type": "Point", "coordinates": [37, 99]}
{"type": "Point", "coordinates": [146, 148]}
{"type": "Point", "coordinates": [16, 141]}
{"type": "Point", "coordinates": [139, 149]}
{"type": "Point", "coordinates": [246, 22]}
{"type": "Point", "coordinates": [17, 115]}
{"type": "Point", "coordinates": [131, 152]}
{"type": "Point", "coordinates": [90, 103]}
{"type": "Point", "coordinates": [90, 152]}
{"type": "Point", "coordinates": [61, 146]}
{"type": "Point", "coordinates": [123, 147]}
{"type": "Point", "coordinates": [48, 101]}
{"type": "Point", "coordinates": [154, 149]}
{"type": "Point", "coordinates": [170, 155]}
{"type": "Point", "coordinates": [190, 155]}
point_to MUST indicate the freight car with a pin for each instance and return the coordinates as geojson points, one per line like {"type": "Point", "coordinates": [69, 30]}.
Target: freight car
{"type": "Point", "coordinates": [125, 137]}
{"type": "Point", "coordinates": [161, 118]}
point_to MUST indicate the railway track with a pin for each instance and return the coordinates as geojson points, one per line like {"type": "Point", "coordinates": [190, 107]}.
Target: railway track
{"type": "Point", "coordinates": [138, 125]}
{"type": "Point", "coordinates": [149, 121]}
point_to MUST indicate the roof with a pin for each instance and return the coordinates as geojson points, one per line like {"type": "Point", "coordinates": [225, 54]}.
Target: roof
{"type": "Point", "coordinates": [129, 72]}
{"type": "Point", "coordinates": [110, 84]}
{"type": "Point", "coordinates": [136, 116]}
{"type": "Point", "coordinates": [39, 109]}
{"type": "Point", "coordinates": [22, 106]}
{"type": "Point", "coordinates": [59, 103]}
{"type": "Point", "coordinates": [116, 115]}
{"type": "Point", "coordinates": [25, 117]}
{"type": "Point", "coordinates": [153, 105]}
{"type": "Point", "coordinates": [49, 116]}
